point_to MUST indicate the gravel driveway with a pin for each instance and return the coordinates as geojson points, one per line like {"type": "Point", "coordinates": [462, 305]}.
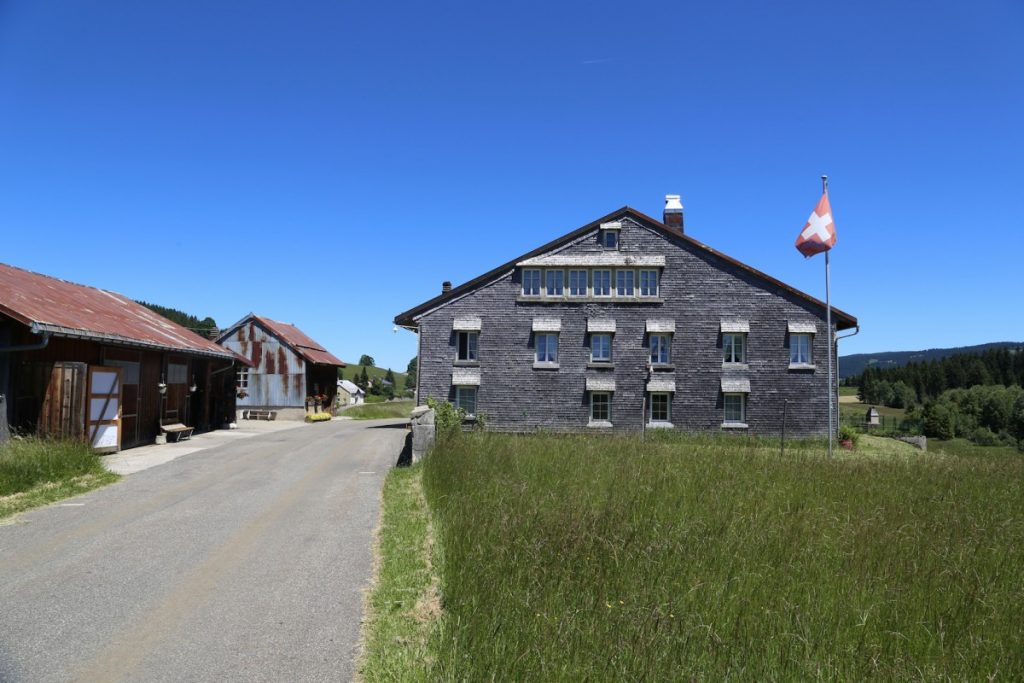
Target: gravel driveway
{"type": "Point", "coordinates": [243, 562]}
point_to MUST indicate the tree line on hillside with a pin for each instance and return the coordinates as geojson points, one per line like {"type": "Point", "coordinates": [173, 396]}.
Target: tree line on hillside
{"type": "Point", "coordinates": [184, 319]}
{"type": "Point", "coordinates": [975, 396]}
{"type": "Point", "coordinates": [920, 382]}
{"type": "Point", "coordinates": [386, 388]}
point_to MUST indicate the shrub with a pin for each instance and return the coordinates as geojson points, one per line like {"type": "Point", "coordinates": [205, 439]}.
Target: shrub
{"type": "Point", "coordinates": [939, 421]}
{"type": "Point", "coordinates": [848, 433]}
{"type": "Point", "coordinates": [447, 418]}
{"type": "Point", "coordinates": [983, 436]}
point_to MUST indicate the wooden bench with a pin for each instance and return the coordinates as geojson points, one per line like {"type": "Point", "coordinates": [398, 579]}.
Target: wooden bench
{"type": "Point", "coordinates": [259, 414]}
{"type": "Point", "coordinates": [179, 431]}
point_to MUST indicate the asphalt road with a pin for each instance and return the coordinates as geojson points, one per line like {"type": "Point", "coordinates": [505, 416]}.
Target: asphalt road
{"type": "Point", "coordinates": [244, 562]}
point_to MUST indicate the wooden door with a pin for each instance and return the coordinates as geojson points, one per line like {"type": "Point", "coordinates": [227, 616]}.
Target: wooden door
{"type": "Point", "coordinates": [131, 400]}
{"type": "Point", "coordinates": [103, 416]}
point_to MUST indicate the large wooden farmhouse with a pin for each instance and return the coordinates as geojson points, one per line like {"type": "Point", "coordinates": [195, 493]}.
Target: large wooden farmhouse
{"type": "Point", "coordinates": [290, 372]}
{"type": "Point", "coordinates": [628, 323]}
{"type": "Point", "coordinates": [82, 362]}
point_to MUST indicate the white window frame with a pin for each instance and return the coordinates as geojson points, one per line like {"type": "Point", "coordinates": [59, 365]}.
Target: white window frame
{"type": "Point", "coordinates": [532, 276]}
{"type": "Point", "coordinates": [242, 378]}
{"type": "Point", "coordinates": [796, 340]}
{"type": "Point", "coordinates": [649, 283]}
{"type": "Point", "coordinates": [554, 283]}
{"type": "Point", "coordinates": [594, 336]}
{"type": "Point", "coordinates": [728, 357]}
{"type": "Point", "coordinates": [472, 346]}
{"type": "Point", "coordinates": [742, 398]}
{"type": "Point", "coordinates": [594, 277]}
{"type": "Point", "coordinates": [607, 399]}
{"type": "Point", "coordinates": [461, 392]}
{"type": "Point", "coordinates": [668, 407]}
{"type": "Point", "coordinates": [625, 283]}
{"type": "Point", "coordinates": [578, 286]}
{"type": "Point", "coordinates": [547, 337]}
{"type": "Point", "coordinates": [665, 342]}
{"type": "Point", "coordinates": [610, 233]}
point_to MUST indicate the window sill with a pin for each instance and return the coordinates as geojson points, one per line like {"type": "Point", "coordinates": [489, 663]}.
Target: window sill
{"type": "Point", "coordinates": [734, 425]}
{"type": "Point", "coordinates": [803, 366]}
{"type": "Point", "coordinates": [466, 363]}
{"type": "Point", "coordinates": [735, 366]}
{"type": "Point", "coordinates": [599, 424]}
{"type": "Point", "coordinates": [545, 366]}
{"type": "Point", "coordinates": [660, 425]}
{"type": "Point", "coordinates": [600, 366]}
{"type": "Point", "coordinates": [539, 299]}
{"type": "Point", "coordinates": [665, 367]}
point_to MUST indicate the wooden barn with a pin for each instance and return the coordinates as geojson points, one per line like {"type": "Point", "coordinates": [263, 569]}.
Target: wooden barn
{"type": "Point", "coordinates": [82, 362]}
{"type": "Point", "coordinates": [290, 373]}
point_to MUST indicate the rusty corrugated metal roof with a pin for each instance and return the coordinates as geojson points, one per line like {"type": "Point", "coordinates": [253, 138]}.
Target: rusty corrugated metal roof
{"type": "Point", "coordinates": [302, 343]}
{"type": "Point", "coordinates": [67, 309]}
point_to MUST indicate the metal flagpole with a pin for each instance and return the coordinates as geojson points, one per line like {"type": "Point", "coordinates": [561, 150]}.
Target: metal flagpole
{"type": "Point", "coordinates": [828, 323]}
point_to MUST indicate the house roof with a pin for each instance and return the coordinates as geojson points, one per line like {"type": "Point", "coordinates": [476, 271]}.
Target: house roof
{"type": "Point", "coordinates": [67, 309]}
{"type": "Point", "coordinates": [298, 340]}
{"type": "Point", "coordinates": [349, 387]}
{"type": "Point", "coordinates": [408, 318]}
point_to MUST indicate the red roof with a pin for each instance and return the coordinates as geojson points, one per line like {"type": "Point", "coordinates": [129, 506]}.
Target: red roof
{"type": "Point", "coordinates": [302, 344]}
{"type": "Point", "coordinates": [66, 309]}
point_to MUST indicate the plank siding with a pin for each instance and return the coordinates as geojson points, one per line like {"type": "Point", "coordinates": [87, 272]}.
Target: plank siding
{"type": "Point", "coordinates": [698, 290]}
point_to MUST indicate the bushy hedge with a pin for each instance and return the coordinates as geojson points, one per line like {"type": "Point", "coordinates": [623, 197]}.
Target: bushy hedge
{"type": "Point", "coordinates": [986, 415]}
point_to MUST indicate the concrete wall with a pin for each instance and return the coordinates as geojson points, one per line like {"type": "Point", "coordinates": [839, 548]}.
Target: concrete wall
{"type": "Point", "coordinates": [698, 289]}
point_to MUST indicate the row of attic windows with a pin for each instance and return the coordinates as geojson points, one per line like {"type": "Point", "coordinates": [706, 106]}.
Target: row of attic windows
{"type": "Point", "coordinates": [590, 282]}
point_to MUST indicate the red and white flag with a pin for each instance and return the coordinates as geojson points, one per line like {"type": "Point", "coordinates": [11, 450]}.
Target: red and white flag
{"type": "Point", "coordinates": [819, 234]}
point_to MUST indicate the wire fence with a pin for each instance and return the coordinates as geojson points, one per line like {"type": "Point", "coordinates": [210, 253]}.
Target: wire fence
{"type": "Point", "coordinates": [887, 424]}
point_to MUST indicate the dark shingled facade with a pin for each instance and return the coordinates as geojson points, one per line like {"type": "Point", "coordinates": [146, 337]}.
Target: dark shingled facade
{"type": "Point", "coordinates": [702, 295]}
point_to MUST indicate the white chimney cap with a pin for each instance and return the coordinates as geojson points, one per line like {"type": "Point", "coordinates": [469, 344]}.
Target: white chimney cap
{"type": "Point", "coordinates": [672, 204]}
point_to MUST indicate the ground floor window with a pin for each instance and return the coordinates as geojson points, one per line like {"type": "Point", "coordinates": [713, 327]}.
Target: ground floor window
{"type": "Point", "coordinates": [465, 398]}
{"type": "Point", "coordinates": [600, 406]}
{"type": "Point", "coordinates": [735, 408]}
{"type": "Point", "coordinates": [661, 408]}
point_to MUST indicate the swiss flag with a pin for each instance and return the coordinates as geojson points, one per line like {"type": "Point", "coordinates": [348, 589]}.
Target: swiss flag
{"type": "Point", "coordinates": [819, 234]}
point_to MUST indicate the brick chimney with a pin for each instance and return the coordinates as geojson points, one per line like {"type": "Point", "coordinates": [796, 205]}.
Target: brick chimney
{"type": "Point", "coordinates": [673, 216]}
{"type": "Point", "coordinates": [446, 287]}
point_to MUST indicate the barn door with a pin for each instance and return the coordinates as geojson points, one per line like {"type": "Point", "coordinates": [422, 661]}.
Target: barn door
{"type": "Point", "coordinates": [131, 400]}
{"type": "Point", "coordinates": [103, 419]}
{"type": "Point", "coordinates": [62, 413]}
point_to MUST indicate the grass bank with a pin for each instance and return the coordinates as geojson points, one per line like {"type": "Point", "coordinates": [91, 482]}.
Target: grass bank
{"type": "Point", "coordinates": [584, 558]}
{"type": "Point", "coordinates": [379, 411]}
{"type": "Point", "coordinates": [35, 472]}
{"type": "Point", "coordinates": [403, 605]}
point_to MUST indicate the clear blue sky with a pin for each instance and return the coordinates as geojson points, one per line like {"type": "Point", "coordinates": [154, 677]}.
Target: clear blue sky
{"type": "Point", "coordinates": [329, 164]}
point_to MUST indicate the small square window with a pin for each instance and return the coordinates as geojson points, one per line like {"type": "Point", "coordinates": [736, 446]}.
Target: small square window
{"type": "Point", "coordinates": [610, 239]}
{"type": "Point", "coordinates": [600, 406]}
{"type": "Point", "coordinates": [648, 283]}
{"type": "Point", "coordinates": [467, 346]}
{"type": "Point", "coordinates": [800, 349]}
{"type": "Point", "coordinates": [547, 348]}
{"type": "Point", "coordinates": [735, 408]}
{"type": "Point", "coordinates": [734, 347]}
{"type": "Point", "coordinates": [624, 282]}
{"type": "Point", "coordinates": [531, 283]}
{"type": "Point", "coordinates": [577, 283]}
{"type": "Point", "coordinates": [465, 398]}
{"type": "Point", "coordinates": [602, 283]}
{"type": "Point", "coordinates": [600, 348]}
{"type": "Point", "coordinates": [661, 408]}
{"type": "Point", "coordinates": [555, 282]}
{"type": "Point", "coordinates": [242, 378]}
{"type": "Point", "coordinates": [661, 345]}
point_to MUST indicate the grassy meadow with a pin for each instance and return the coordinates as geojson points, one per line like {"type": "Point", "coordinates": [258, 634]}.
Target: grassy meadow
{"type": "Point", "coordinates": [678, 557]}
{"type": "Point", "coordinates": [379, 411]}
{"type": "Point", "coordinates": [35, 472]}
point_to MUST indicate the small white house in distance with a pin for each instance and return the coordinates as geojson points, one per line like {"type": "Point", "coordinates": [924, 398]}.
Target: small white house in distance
{"type": "Point", "coordinates": [349, 394]}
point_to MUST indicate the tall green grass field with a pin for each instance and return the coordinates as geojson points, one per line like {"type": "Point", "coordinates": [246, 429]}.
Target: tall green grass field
{"type": "Point", "coordinates": [615, 558]}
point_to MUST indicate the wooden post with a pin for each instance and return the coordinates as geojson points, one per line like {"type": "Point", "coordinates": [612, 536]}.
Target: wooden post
{"type": "Point", "coordinates": [782, 442]}
{"type": "Point", "coordinates": [5, 433]}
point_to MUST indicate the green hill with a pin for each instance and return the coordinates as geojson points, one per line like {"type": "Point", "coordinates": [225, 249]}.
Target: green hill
{"type": "Point", "coordinates": [373, 373]}
{"type": "Point", "coordinates": [855, 364]}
